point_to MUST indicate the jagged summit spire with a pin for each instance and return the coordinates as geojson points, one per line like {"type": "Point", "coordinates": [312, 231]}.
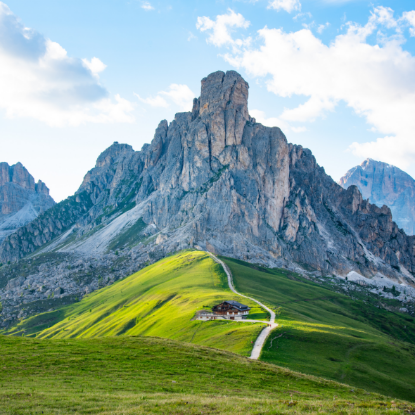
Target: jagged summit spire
{"type": "Point", "coordinates": [220, 89]}
{"type": "Point", "coordinates": [223, 104]}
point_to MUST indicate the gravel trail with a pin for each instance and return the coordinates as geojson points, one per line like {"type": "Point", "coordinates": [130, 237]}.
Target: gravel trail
{"type": "Point", "coordinates": [260, 341]}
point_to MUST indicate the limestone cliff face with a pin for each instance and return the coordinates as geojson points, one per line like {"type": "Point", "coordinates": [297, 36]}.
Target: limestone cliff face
{"type": "Point", "coordinates": [21, 199]}
{"type": "Point", "coordinates": [384, 184]}
{"type": "Point", "coordinates": [214, 178]}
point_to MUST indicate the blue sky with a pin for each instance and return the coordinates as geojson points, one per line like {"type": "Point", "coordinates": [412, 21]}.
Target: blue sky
{"type": "Point", "coordinates": [337, 76]}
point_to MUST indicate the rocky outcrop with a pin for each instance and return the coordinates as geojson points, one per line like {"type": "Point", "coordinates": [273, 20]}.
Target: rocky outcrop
{"type": "Point", "coordinates": [383, 184]}
{"type": "Point", "coordinates": [215, 179]}
{"type": "Point", "coordinates": [355, 235]}
{"type": "Point", "coordinates": [21, 199]}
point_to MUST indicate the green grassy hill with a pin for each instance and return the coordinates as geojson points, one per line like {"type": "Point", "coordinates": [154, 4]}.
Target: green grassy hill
{"type": "Point", "coordinates": [159, 300]}
{"type": "Point", "coordinates": [321, 332]}
{"type": "Point", "coordinates": [330, 335]}
{"type": "Point", "coordinates": [137, 375]}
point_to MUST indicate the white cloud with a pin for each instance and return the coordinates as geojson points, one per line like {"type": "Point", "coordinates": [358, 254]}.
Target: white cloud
{"type": "Point", "coordinates": [310, 110]}
{"type": "Point", "coordinates": [309, 25]}
{"type": "Point", "coordinates": [384, 16]}
{"type": "Point", "coordinates": [220, 29]}
{"type": "Point", "coordinates": [147, 6]}
{"type": "Point", "coordinates": [275, 122]}
{"type": "Point", "coordinates": [321, 27]}
{"type": "Point", "coordinates": [299, 129]}
{"type": "Point", "coordinates": [39, 80]}
{"type": "Point", "coordinates": [339, 2]}
{"type": "Point", "coordinates": [269, 122]}
{"type": "Point", "coordinates": [376, 80]}
{"type": "Point", "coordinates": [180, 95]}
{"type": "Point", "coordinates": [302, 16]}
{"type": "Point", "coordinates": [157, 101]}
{"type": "Point", "coordinates": [409, 17]}
{"type": "Point", "coordinates": [94, 65]}
{"type": "Point", "coordinates": [287, 5]}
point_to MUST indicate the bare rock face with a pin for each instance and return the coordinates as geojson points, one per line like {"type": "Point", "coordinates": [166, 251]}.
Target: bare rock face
{"type": "Point", "coordinates": [21, 199]}
{"type": "Point", "coordinates": [213, 179]}
{"type": "Point", "coordinates": [223, 109]}
{"type": "Point", "coordinates": [383, 184]}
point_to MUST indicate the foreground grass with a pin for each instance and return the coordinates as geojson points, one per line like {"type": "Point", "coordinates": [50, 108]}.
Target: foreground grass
{"type": "Point", "coordinates": [159, 300]}
{"type": "Point", "coordinates": [329, 335]}
{"type": "Point", "coordinates": [133, 375]}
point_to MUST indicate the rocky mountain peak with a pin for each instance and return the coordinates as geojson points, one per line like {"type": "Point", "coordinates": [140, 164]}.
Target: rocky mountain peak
{"type": "Point", "coordinates": [18, 175]}
{"type": "Point", "coordinates": [222, 110]}
{"type": "Point", "coordinates": [215, 179]}
{"type": "Point", "coordinates": [224, 91]}
{"type": "Point", "coordinates": [21, 199]}
{"type": "Point", "coordinates": [112, 152]}
{"type": "Point", "coordinates": [21, 177]}
{"type": "Point", "coordinates": [370, 163]}
{"type": "Point", "coordinates": [384, 184]}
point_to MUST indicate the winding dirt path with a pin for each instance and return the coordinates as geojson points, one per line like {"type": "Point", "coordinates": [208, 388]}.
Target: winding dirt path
{"type": "Point", "coordinates": [271, 325]}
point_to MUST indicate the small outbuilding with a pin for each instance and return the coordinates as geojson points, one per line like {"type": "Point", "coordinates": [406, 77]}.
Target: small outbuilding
{"type": "Point", "coordinates": [228, 310]}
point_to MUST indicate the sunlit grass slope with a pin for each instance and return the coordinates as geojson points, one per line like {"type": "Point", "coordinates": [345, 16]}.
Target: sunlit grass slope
{"type": "Point", "coordinates": [328, 334]}
{"type": "Point", "coordinates": [137, 375]}
{"type": "Point", "coordinates": [159, 300]}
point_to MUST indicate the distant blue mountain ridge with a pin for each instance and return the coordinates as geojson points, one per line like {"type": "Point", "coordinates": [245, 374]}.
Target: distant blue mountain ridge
{"type": "Point", "coordinates": [384, 184]}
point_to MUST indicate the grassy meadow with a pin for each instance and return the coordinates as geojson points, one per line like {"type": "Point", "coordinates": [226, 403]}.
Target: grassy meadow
{"type": "Point", "coordinates": [133, 347]}
{"type": "Point", "coordinates": [330, 335]}
{"type": "Point", "coordinates": [147, 375]}
{"type": "Point", "coordinates": [160, 300]}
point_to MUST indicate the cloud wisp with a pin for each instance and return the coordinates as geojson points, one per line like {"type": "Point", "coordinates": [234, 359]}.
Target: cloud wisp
{"type": "Point", "coordinates": [409, 18]}
{"type": "Point", "coordinates": [147, 6]}
{"type": "Point", "coordinates": [376, 80]}
{"type": "Point", "coordinates": [287, 5]}
{"type": "Point", "coordinates": [179, 95]}
{"type": "Point", "coordinates": [39, 80]}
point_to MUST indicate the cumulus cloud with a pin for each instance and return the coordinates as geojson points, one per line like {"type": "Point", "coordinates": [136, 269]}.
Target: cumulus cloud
{"type": "Point", "coordinates": [39, 80]}
{"type": "Point", "coordinates": [221, 28]}
{"type": "Point", "coordinates": [287, 5]}
{"type": "Point", "coordinates": [310, 110]}
{"type": "Point", "coordinates": [94, 65]}
{"type": "Point", "coordinates": [375, 79]}
{"type": "Point", "coordinates": [383, 16]}
{"type": "Point", "coordinates": [180, 95]}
